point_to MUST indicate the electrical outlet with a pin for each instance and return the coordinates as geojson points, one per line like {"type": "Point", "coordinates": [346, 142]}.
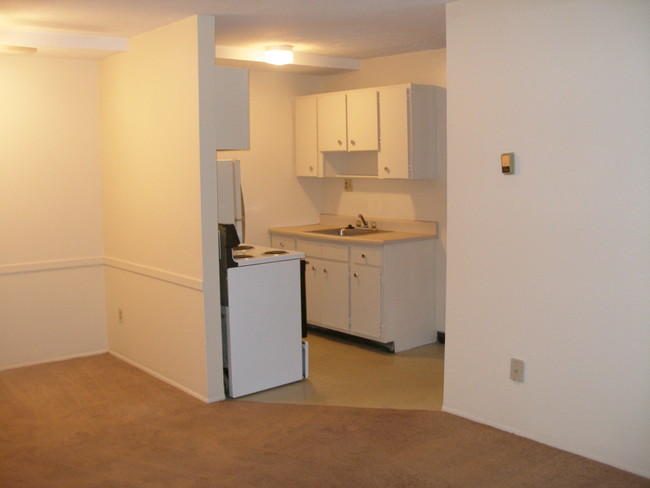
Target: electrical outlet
{"type": "Point", "coordinates": [517, 370]}
{"type": "Point", "coordinates": [120, 315]}
{"type": "Point", "coordinates": [347, 184]}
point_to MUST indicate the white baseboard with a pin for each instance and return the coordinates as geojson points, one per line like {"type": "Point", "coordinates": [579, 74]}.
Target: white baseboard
{"type": "Point", "coordinates": [153, 373]}
{"type": "Point", "coordinates": [460, 413]}
{"type": "Point", "coordinates": [54, 360]}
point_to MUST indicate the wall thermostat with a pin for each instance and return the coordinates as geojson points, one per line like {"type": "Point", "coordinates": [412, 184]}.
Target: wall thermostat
{"type": "Point", "coordinates": [508, 163]}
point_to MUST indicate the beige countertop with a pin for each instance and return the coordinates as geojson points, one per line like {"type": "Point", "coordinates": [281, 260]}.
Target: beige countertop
{"type": "Point", "coordinates": [379, 238]}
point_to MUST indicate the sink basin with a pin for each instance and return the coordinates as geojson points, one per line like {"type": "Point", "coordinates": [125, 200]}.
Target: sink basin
{"type": "Point", "coordinates": [347, 231]}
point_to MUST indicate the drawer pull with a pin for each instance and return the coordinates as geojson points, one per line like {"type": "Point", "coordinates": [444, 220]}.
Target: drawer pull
{"type": "Point", "coordinates": [324, 270]}
{"type": "Point", "coordinates": [356, 275]}
{"type": "Point", "coordinates": [363, 255]}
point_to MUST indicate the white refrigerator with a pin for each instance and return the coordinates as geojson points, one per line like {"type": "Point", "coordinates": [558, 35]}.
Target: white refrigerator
{"type": "Point", "coordinates": [261, 312]}
{"type": "Point", "coordinates": [230, 198]}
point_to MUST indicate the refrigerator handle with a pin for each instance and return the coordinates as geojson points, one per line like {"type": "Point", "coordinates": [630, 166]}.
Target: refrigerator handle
{"type": "Point", "coordinates": [243, 217]}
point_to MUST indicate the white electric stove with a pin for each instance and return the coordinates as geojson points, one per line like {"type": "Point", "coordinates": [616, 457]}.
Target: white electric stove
{"type": "Point", "coordinates": [262, 320]}
{"type": "Point", "coordinates": [248, 254]}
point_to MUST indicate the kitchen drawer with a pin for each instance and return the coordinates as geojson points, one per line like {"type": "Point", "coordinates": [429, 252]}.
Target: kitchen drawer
{"type": "Point", "coordinates": [335, 252]}
{"type": "Point", "coordinates": [370, 255]}
{"type": "Point", "coordinates": [283, 242]}
{"type": "Point", "coordinates": [310, 248]}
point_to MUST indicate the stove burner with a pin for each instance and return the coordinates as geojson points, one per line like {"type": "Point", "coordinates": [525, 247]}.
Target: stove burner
{"type": "Point", "coordinates": [242, 256]}
{"type": "Point", "coordinates": [275, 252]}
{"type": "Point", "coordinates": [242, 247]}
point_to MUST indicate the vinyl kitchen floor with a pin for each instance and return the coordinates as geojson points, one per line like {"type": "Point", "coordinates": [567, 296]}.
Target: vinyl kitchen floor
{"type": "Point", "coordinates": [351, 375]}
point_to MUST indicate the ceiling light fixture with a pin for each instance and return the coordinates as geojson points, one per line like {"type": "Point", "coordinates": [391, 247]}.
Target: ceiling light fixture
{"type": "Point", "coordinates": [247, 57]}
{"type": "Point", "coordinates": [279, 55]}
{"type": "Point", "coordinates": [17, 50]}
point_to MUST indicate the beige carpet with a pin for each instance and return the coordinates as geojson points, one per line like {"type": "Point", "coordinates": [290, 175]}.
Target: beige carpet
{"type": "Point", "coordinates": [99, 422]}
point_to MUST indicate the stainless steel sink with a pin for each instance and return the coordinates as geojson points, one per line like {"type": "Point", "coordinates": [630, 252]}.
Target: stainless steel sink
{"type": "Point", "coordinates": [347, 231]}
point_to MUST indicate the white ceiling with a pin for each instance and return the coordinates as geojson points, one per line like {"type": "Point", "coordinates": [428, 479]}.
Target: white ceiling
{"type": "Point", "coordinates": [341, 28]}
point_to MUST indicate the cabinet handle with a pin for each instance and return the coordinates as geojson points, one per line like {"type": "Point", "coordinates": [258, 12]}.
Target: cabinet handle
{"type": "Point", "coordinates": [324, 270]}
{"type": "Point", "coordinates": [311, 169]}
{"type": "Point", "coordinates": [356, 275]}
{"type": "Point", "coordinates": [387, 169]}
{"type": "Point", "coordinates": [313, 268]}
{"type": "Point", "coordinates": [340, 142]}
{"type": "Point", "coordinates": [363, 255]}
{"type": "Point", "coordinates": [282, 244]}
{"type": "Point", "coordinates": [353, 142]}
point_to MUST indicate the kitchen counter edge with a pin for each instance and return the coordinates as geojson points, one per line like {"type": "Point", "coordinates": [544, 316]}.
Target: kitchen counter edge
{"type": "Point", "coordinates": [379, 239]}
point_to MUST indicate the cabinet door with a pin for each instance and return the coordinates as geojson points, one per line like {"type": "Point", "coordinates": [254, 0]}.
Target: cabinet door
{"type": "Point", "coordinates": [313, 290]}
{"type": "Point", "coordinates": [365, 300]}
{"type": "Point", "coordinates": [335, 308]}
{"type": "Point", "coordinates": [363, 124]}
{"type": "Point", "coordinates": [233, 119]}
{"type": "Point", "coordinates": [393, 158]}
{"type": "Point", "coordinates": [283, 242]}
{"type": "Point", "coordinates": [332, 124]}
{"type": "Point", "coordinates": [306, 136]}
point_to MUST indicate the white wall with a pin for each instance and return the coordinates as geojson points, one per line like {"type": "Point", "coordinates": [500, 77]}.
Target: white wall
{"type": "Point", "coordinates": [159, 184]}
{"type": "Point", "coordinates": [51, 276]}
{"type": "Point", "coordinates": [551, 265]}
{"type": "Point", "coordinates": [422, 67]}
{"type": "Point", "coordinates": [273, 195]}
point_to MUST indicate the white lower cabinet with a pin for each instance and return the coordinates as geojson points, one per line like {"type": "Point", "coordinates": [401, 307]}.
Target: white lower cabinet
{"type": "Point", "coordinates": [327, 293]}
{"type": "Point", "coordinates": [365, 301]}
{"type": "Point", "coordinates": [383, 292]}
{"type": "Point", "coordinates": [283, 242]}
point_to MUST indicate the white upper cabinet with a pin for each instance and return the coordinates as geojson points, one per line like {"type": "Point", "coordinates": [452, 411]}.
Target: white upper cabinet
{"type": "Point", "coordinates": [306, 136]}
{"type": "Point", "coordinates": [232, 100]}
{"type": "Point", "coordinates": [332, 122]}
{"type": "Point", "coordinates": [387, 132]}
{"type": "Point", "coordinates": [362, 118]}
{"type": "Point", "coordinates": [410, 135]}
{"type": "Point", "coordinates": [347, 121]}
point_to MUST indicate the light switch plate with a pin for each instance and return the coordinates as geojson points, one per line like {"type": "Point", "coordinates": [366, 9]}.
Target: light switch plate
{"type": "Point", "coordinates": [517, 370]}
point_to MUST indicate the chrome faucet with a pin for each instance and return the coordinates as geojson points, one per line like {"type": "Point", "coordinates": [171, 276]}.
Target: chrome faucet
{"type": "Point", "coordinates": [365, 223]}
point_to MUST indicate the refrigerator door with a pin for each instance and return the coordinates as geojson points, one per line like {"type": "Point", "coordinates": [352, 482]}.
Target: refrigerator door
{"type": "Point", "coordinates": [229, 195]}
